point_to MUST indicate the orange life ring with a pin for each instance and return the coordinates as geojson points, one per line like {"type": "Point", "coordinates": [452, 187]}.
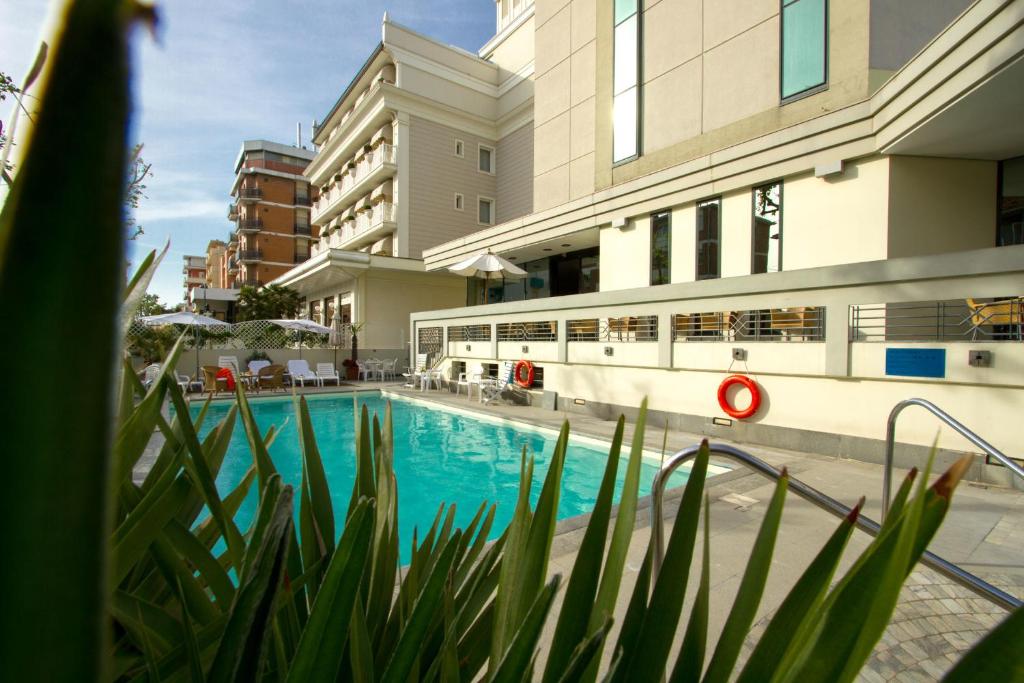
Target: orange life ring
{"type": "Point", "coordinates": [755, 396]}
{"type": "Point", "coordinates": [527, 381]}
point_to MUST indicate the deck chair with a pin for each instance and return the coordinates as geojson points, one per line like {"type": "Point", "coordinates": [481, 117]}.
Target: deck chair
{"type": "Point", "coordinates": [211, 383]}
{"type": "Point", "coordinates": [270, 377]}
{"type": "Point", "coordinates": [413, 373]}
{"type": "Point", "coordinates": [326, 371]}
{"type": "Point", "coordinates": [1008, 313]}
{"type": "Point", "coordinates": [230, 362]}
{"type": "Point", "coordinates": [256, 365]}
{"type": "Point", "coordinates": [149, 374]}
{"type": "Point", "coordinates": [187, 384]}
{"type": "Point", "coordinates": [491, 388]}
{"type": "Point", "coordinates": [300, 372]}
{"type": "Point", "coordinates": [470, 379]}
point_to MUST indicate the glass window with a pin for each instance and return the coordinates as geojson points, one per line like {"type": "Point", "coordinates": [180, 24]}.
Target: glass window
{"type": "Point", "coordinates": [804, 45]}
{"type": "Point", "coordinates": [661, 245]}
{"type": "Point", "coordinates": [486, 211]}
{"type": "Point", "coordinates": [709, 242]}
{"type": "Point", "coordinates": [1011, 202]}
{"type": "Point", "coordinates": [590, 273]}
{"type": "Point", "coordinates": [625, 81]}
{"type": "Point", "coordinates": [458, 201]}
{"type": "Point", "coordinates": [767, 229]}
{"type": "Point", "coordinates": [538, 279]}
{"type": "Point", "coordinates": [486, 159]}
{"type": "Point", "coordinates": [459, 148]}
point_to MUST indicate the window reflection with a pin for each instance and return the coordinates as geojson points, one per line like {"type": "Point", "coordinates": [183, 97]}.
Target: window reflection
{"type": "Point", "coordinates": [767, 229]}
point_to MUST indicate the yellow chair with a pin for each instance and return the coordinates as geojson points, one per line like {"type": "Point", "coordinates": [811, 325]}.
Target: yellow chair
{"type": "Point", "coordinates": [1005, 312]}
{"type": "Point", "coordinates": [799, 321]}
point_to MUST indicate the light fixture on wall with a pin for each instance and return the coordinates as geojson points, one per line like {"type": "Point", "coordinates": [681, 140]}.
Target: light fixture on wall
{"type": "Point", "coordinates": [828, 169]}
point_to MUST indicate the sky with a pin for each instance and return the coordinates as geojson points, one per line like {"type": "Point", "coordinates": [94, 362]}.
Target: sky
{"type": "Point", "coordinates": [223, 72]}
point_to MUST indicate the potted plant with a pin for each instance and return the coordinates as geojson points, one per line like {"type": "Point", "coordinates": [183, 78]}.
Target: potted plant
{"type": "Point", "coordinates": [351, 364]}
{"type": "Point", "coordinates": [351, 369]}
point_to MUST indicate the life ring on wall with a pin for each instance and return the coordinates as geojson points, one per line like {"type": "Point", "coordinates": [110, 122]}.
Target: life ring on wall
{"type": "Point", "coordinates": [755, 396]}
{"type": "Point", "coordinates": [523, 374]}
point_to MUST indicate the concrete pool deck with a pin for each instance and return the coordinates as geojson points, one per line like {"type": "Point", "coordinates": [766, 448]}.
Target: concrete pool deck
{"type": "Point", "coordinates": [935, 621]}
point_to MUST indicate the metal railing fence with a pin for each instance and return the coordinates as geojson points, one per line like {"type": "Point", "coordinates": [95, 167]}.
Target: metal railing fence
{"type": "Point", "coordinates": [528, 331]}
{"type": "Point", "coordinates": [799, 323]}
{"type": "Point", "coordinates": [937, 321]}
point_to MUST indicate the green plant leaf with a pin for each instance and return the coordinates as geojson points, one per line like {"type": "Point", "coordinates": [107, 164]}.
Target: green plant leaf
{"type": "Point", "coordinates": [690, 662]}
{"type": "Point", "coordinates": [575, 616]}
{"type": "Point", "coordinates": [518, 660]}
{"type": "Point", "coordinates": [996, 657]}
{"type": "Point", "coordinates": [748, 596]}
{"type": "Point", "coordinates": [239, 653]}
{"type": "Point", "coordinates": [585, 655]}
{"type": "Point", "coordinates": [321, 648]}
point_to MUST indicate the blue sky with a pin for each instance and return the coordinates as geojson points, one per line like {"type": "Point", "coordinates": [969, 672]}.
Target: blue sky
{"type": "Point", "coordinates": [223, 72]}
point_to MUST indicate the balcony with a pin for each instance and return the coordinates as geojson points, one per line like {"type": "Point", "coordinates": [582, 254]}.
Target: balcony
{"type": "Point", "coordinates": [250, 225]}
{"type": "Point", "coordinates": [232, 265]}
{"type": "Point", "coordinates": [367, 227]}
{"type": "Point", "coordinates": [301, 256]}
{"type": "Point", "coordinates": [250, 255]}
{"type": "Point", "coordinates": [249, 282]}
{"type": "Point", "coordinates": [304, 230]}
{"type": "Point", "coordinates": [232, 211]}
{"type": "Point", "coordinates": [250, 193]}
{"type": "Point", "coordinates": [373, 169]}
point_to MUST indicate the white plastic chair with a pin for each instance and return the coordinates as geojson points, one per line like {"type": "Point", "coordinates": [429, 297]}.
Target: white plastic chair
{"type": "Point", "coordinates": [150, 374]}
{"type": "Point", "coordinates": [413, 373]}
{"type": "Point", "coordinates": [231, 363]}
{"type": "Point", "coordinates": [469, 379]}
{"type": "Point", "coordinates": [390, 368]}
{"type": "Point", "coordinates": [326, 371]}
{"type": "Point", "coordinates": [431, 376]}
{"type": "Point", "coordinates": [491, 388]}
{"type": "Point", "coordinates": [300, 372]}
{"type": "Point", "coordinates": [256, 365]}
{"type": "Point", "coordinates": [186, 383]}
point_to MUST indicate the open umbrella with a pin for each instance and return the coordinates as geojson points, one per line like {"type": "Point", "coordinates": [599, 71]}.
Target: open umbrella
{"type": "Point", "coordinates": [301, 325]}
{"type": "Point", "coordinates": [193, 320]}
{"type": "Point", "coordinates": [489, 267]}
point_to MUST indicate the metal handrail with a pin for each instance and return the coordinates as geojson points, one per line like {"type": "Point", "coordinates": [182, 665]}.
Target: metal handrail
{"type": "Point", "coordinates": [811, 495]}
{"type": "Point", "coordinates": [890, 443]}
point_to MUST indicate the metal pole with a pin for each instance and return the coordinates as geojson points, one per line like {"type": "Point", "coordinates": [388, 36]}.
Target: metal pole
{"type": "Point", "coordinates": [812, 495]}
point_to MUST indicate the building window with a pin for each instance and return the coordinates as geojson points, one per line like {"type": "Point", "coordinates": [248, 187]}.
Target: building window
{"type": "Point", "coordinates": [1011, 202]}
{"type": "Point", "coordinates": [804, 46]}
{"type": "Point", "coordinates": [459, 202]}
{"type": "Point", "coordinates": [625, 82]}
{"type": "Point", "coordinates": [486, 154]}
{"type": "Point", "coordinates": [709, 239]}
{"type": "Point", "coordinates": [485, 213]}
{"type": "Point", "coordinates": [661, 248]}
{"type": "Point", "coordinates": [766, 247]}
{"type": "Point", "coordinates": [460, 149]}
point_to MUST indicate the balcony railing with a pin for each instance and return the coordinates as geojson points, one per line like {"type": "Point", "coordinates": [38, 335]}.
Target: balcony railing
{"type": "Point", "coordinates": [232, 211]}
{"type": "Point", "coordinates": [250, 255]}
{"type": "Point", "coordinates": [381, 213]}
{"type": "Point", "coordinates": [355, 182]}
{"type": "Point", "coordinates": [232, 265]}
{"type": "Point", "coordinates": [253, 224]}
{"type": "Point", "coordinates": [250, 193]}
{"type": "Point", "coordinates": [959, 320]}
{"type": "Point", "coordinates": [249, 282]}
{"type": "Point", "coordinates": [351, 232]}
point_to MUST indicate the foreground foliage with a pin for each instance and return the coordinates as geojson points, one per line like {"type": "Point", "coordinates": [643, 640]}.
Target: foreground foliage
{"type": "Point", "coordinates": [109, 578]}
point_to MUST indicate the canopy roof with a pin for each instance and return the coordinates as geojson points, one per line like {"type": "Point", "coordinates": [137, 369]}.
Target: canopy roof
{"type": "Point", "coordinates": [488, 266]}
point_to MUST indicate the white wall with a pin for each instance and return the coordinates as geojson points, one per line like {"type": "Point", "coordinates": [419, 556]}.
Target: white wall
{"type": "Point", "coordinates": [626, 255]}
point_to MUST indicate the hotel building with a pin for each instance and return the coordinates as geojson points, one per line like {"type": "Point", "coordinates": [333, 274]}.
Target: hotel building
{"type": "Point", "coordinates": [194, 270]}
{"type": "Point", "coordinates": [824, 196]}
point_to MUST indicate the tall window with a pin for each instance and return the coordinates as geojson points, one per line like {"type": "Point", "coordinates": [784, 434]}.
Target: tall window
{"type": "Point", "coordinates": [661, 246]}
{"type": "Point", "coordinates": [709, 239]}
{"type": "Point", "coordinates": [485, 211]}
{"type": "Point", "coordinates": [767, 229]}
{"type": "Point", "coordinates": [486, 159]}
{"type": "Point", "coordinates": [625, 81]}
{"type": "Point", "coordinates": [804, 46]}
{"type": "Point", "coordinates": [1011, 202]}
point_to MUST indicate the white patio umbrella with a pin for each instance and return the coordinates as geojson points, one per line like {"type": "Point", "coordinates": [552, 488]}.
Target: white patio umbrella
{"type": "Point", "coordinates": [193, 320]}
{"type": "Point", "coordinates": [301, 325]}
{"type": "Point", "coordinates": [489, 267]}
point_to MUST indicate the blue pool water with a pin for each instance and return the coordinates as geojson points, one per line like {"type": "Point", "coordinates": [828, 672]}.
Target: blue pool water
{"type": "Point", "coordinates": [440, 456]}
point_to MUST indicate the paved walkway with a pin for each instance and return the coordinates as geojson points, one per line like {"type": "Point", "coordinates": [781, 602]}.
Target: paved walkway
{"type": "Point", "coordinates": [935, 621]}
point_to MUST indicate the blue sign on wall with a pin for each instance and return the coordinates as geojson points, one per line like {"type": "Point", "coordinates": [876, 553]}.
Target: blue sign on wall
{"type": "Point", "coordinates": [915, 362]}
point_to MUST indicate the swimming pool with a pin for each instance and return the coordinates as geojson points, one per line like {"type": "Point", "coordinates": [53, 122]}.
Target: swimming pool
{"type": "Point", "coordinates": [441, 456]}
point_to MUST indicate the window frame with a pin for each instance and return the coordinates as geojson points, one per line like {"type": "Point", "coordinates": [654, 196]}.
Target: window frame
{"type": "Point", "coordinates": [459, 202]}
{"type": "Point", "coordinates": [459, 149]}
{"type": "Point", "coordinates": [814, 89]}
{"type": "Point", "coordinates": [482, 198]}
{"type": "Point", "coordinates": [667, 213]}
{"type": "Point", "coordinates": [494, 158]}
{"type": "Point", "coordinates": [639, 79]}
{"type": "Point", "coordinates": [753, 209]}
{"type": "Point", "coordinates": [697, 240]}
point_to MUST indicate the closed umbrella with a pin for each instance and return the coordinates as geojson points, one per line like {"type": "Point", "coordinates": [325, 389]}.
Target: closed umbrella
{"type": "Point", "coordinates": [193, 320]}
{"type": "Point", "coordinates": [335, 339]}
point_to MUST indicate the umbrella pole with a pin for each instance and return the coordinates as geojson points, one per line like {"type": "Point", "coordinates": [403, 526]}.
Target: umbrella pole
{"type": "Point", "coordinates": [195, 342]}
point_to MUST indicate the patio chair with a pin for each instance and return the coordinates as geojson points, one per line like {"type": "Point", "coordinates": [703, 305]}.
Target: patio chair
{"type": "Point", "coordinates": [468, 380]}
{"type": "Point", "coordinates": [187, 383]}
{"type": "Point", "coordinates": [211, 383]}
{"type": "Point", "coordinates": [256, 365]}
{"type": "Point", "coordinates": [622, 326]}
{"type": "Point", "coordinates": [300, 372]}
{"type": "Point", "coordinates": [229, 362]}
{"type": "Point", "coordinates": [491, 388]}
{"type": "Point", "coordinates": [431, 376]}
{"type": "Point", "coordinates": [799, 321]}
{"type": "Point", "coordinates": [149, 374]}
{"type": "Point", "coordinates": [413, 373]}
{"type": "Point", "coordinates": [1008, 313]}
{"type": "Point", "coordinates": [270, 377]}
{"type": "Point", "coordinates": [369, 369]}
{"type": "Point", "coordinates": [390, 368]}
{"type": "Point", "coordinates": [326, 371]}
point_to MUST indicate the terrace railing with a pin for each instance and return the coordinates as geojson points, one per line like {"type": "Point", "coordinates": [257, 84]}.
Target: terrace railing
{"type": "Point", "coordinates": [469, 333]}
{"type": "Point", "coordinates": [793, 323]}
{"type": "Point", "coordinates": [528, 331]}
{"type": "Point", "coordinates": [966, 319]}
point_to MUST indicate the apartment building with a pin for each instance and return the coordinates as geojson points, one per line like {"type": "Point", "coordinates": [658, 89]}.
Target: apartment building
{"type": "Point", "coordinates": [215, 256]}
{"type": "Point", "coordinates": [270, 209]}
{"type": "Point", "coordinates": [194, 270]}
{"type": "Point", "coordinates": [824, 196]}
{"type": "Point", "coordinates": [427, 144]}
